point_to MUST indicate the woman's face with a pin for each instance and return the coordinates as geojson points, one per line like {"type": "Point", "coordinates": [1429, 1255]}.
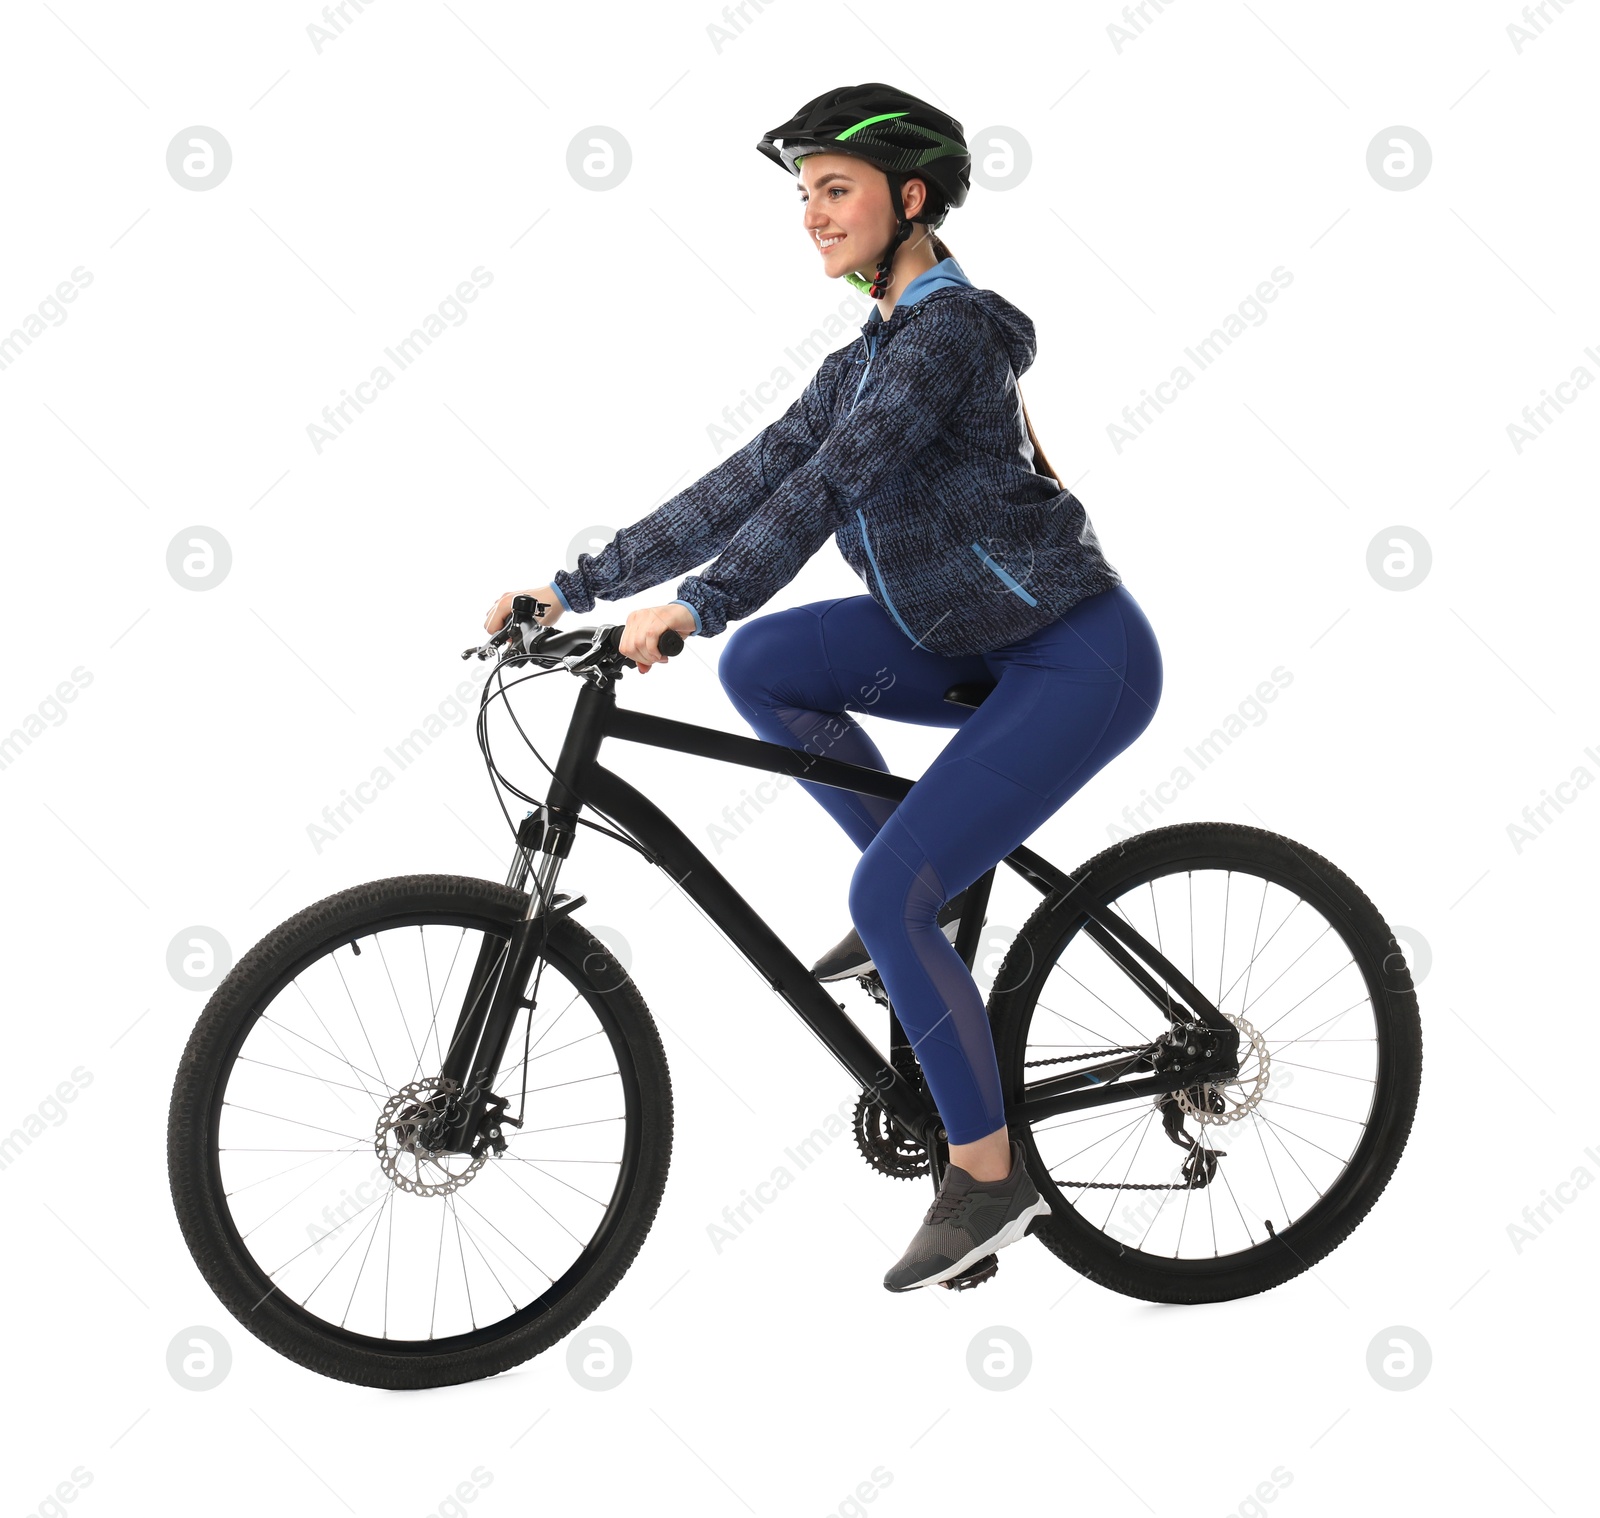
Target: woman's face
{"type": "Point", "coordinates": [847, 211]}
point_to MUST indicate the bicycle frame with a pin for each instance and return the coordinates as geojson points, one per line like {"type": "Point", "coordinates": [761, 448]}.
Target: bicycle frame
{"type": "Point", "coordinates": [485, 1024]}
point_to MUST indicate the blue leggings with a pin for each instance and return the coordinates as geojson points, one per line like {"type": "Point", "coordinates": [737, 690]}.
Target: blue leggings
{"type": "Point", "coordinates": [1067, 701]}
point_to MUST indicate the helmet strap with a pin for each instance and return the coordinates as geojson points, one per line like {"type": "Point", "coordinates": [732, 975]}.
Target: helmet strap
{"type": "Point", "coordinates": [902, 231]}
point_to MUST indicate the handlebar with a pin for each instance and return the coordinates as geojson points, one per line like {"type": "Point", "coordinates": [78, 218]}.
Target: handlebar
{"type": "Point", "coordinates": [581, 649]}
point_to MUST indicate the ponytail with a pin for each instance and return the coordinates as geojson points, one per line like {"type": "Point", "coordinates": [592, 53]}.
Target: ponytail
{"type": "Point", "coordinates": [1041, 465]}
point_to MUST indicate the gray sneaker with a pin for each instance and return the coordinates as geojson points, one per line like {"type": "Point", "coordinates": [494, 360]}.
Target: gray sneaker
{"type": "Point", "coordinates": [968, 1219]}
{"type": "Point", "coordinates": [849, 956]}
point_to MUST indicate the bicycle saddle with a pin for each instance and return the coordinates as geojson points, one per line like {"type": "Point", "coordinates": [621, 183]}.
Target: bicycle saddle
{"type": "Point", "coordinates": [969, 692]}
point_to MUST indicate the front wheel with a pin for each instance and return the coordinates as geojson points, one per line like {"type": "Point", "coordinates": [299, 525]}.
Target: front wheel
{"type": "Point", "coordinates": [1226, 1189]}
{"type": "Point", "coordinates": [302, 1145]}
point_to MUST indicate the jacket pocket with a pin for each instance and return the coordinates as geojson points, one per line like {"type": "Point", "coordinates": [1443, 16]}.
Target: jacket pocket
{"type": "Point", "coordinates": [1007, 579]}
{"type": "Point", "coordinates": [877, 574]}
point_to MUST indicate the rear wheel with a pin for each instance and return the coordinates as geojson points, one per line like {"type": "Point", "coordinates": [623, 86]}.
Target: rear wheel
{"type": "Point", "coordinates": [299, 1138]}
{"type": "Point", "coordinates": [1223, 1190]}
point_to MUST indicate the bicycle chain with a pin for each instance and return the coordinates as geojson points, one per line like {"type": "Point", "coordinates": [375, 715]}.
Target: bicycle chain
{"type": "Point", "coordinates": [887, 1153]}
{"type": "Point", "coordinates": [1061, 1059]}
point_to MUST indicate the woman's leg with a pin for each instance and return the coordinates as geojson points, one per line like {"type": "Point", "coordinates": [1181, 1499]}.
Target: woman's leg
{"type": "Point", "coordinates": [795, 675]}
{"type": "Point", "coordinates": [1066, 702]}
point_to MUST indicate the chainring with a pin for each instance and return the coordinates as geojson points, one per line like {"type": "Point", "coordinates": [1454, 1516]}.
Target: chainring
{"type": "Point", "coordinates": [883, 1145]}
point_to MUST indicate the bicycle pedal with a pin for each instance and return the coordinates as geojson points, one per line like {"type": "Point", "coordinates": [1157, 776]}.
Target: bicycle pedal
{"type": "Point", "coordinates": [974, 1275]}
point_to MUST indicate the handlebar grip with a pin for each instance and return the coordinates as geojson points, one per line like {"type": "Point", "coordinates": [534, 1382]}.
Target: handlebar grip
{"type": "Point", "coordinates": [670, 642]}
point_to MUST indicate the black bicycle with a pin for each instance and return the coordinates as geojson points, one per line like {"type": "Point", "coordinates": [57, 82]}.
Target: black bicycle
{"type": "Point", "coordinates": [422, 1128]}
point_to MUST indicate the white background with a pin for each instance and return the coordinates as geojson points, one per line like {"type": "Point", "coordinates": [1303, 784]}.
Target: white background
{"type": "Point", "coordinates": [1168, 177]}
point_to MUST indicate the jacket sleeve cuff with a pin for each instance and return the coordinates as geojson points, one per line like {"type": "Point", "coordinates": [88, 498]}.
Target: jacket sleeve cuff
{"type": "Point", "coordinates": [694, 612]}
{"type": "Point", "coordinates": [707, 603]}
{"type": "Point", "coordinates": [569, 592]}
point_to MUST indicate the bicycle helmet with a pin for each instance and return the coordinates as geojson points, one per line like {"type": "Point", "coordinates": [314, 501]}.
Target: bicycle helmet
{"type": "Point", "coordinates": [902, 135]}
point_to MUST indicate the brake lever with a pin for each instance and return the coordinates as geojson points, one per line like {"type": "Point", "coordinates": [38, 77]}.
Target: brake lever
{"type": "Point", "coordinates": [484, 650]}
{"type": "Point", "coordinates": [591, 660]}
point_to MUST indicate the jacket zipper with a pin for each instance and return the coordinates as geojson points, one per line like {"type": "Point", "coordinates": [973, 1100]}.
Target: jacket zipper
{"type": "Point", "coordinates": [878, 575]}
{"type": "Point", "coordinates": [872, 350]}
{"type": "Point", "coordinates": [866, 542]}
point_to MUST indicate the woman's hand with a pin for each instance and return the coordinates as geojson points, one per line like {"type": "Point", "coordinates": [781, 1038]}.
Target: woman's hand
{"type": "Point", "coordinates": [644, 628]}
{"type": "Point", "coordinates": [500, 613]}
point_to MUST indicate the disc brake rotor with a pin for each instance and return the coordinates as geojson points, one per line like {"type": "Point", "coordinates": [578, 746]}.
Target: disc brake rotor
{"type": "Point", "coordinates": [401, 1143]}
{"type": "Point", "coordinates": [1222, 1102]}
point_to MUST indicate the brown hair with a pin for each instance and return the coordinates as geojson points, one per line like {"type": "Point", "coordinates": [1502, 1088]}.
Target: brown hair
{"type": "Point", "coordinates": [1041, 464]}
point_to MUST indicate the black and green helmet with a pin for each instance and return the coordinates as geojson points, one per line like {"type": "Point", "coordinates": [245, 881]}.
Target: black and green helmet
{"type": "Point", "coordinates": [905, 137]}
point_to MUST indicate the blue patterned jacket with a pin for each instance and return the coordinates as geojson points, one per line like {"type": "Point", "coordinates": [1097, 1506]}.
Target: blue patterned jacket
{"type": "Point", "coordinates": [908, 446]}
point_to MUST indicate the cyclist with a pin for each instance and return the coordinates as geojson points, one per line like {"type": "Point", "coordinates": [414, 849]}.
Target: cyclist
{"type": "Point", "coordinates": [912, 449]}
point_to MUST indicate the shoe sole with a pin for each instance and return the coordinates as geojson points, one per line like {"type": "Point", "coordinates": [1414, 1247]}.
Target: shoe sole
{"type": "Point", "coordinates": [1010, 1234]}
{"type": "Point", "coordinates": [949, 930]}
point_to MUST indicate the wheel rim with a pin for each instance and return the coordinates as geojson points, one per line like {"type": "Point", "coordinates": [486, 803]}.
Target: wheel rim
{"type": "Point", "coordinates": [313, 1090]}
{"type": "Point", "coordinates": [1298, 1122]}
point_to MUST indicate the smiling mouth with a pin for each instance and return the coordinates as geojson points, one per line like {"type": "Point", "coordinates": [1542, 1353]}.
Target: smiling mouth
{"type": "Point", "coordinates": [827, 244]}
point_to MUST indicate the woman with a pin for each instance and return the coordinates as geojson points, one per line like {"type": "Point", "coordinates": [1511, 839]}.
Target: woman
{"type": "Point", "coordinates": [912, 449]}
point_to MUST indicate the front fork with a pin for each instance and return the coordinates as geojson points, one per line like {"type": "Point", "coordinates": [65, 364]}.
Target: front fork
{"type": "Point", "coordinates": [495, 996]}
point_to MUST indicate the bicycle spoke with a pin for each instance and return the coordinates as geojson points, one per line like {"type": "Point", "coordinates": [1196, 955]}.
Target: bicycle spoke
{"type": "Point", "coordinates": [277, 1149]}
{"type": "Point", "coordinates": [1109, 1008]}
{"type": "Point", "coordinates": [1328, 1021]}
{"type": "Point", "coordinates": [354, 1285]}
{"type": "Point", "coordinates": [1276, 1131]}
{"type": "Point", "coordinates": [1087, 1147]}
{"type": "Point", "coordinates": [518, 1061]}
{"type": "Point", "coordinates": [351, 1244]}
{"type": "Point", "coordinates": [278, 1117]}
{"type": "Point", "coordinates": [512, 1242]}
{"type": "Point", "coordinates": [313, 1244]}
{"type": "Point", "coordinates": [245, 1233]}
{"type": "Point", "coordinates": [1279, 1129]}
{"type": "Point", "coordinates": [389, 974]}
{"type": "Point", "coordinates": [341, 1056]}
{"type": "Point", "coordinates": [1321, 1070]}
{"type": "Point", "coordinates": [540, 1205]}
{"type": "Point", "coordinates": [472, 1239]}
{"type": "Point", "coordinates": [518, 1159]}
{"type": "Point", "coordinates": [461, 1250]}
{"type": "Point", "coordinates": [557, 1127]}
{"type": "Point", "coordinates": [437, 1270]}
{"type": "Point", "coordinates": [1337, 1117]}
{"type": "Point", "coordinates": [1327, 928]}
{"type": "Point", "coordinates": [298, 1165]}
{"type": "Point", "coordinates": [434, 1006]}
{"type": "Point", "coordinates": [333, 959]}
{"type": "Point", "coordinates": [1105, 1038]}
{"type": "Point", "coordinates": [322, 1080]}
{"type": "Point", "coordinates": [1256, 954]}
{"type": "Point", "coordinates": [294, 1054]}
{"type": "Point", "coordinates": [342, 1060]}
